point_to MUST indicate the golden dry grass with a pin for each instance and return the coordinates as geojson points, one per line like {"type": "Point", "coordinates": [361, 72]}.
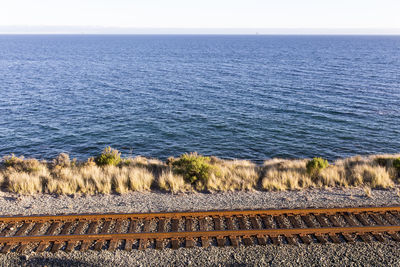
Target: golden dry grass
{"type": "Point", "coordinates": [170, 182]}
{"type": "Point", "coordinates": [231, 175]}
{"type": "Point", "coordinates": [375, 171]}
{"type": "Point", "coordinates": [281, 174]}
{"type": "Point", "coordinates": [65, 176]}
{"type": "Point", "coordinates": [24, 183]}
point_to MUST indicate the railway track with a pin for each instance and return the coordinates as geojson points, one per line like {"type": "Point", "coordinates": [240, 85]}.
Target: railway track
{"type": "Point", "coordinates": [83, 232]}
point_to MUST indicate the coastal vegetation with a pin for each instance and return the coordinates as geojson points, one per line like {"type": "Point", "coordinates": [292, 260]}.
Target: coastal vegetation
{"type": "Point", "coordinates": [110, 173]}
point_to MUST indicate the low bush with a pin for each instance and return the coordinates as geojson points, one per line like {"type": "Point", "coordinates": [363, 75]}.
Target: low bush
{"type": "Point", "coordinates": [62, 160]}
{"type": "Point", "coordinates": [12, 160]}
{"type": "Point", "coordinates": [396, 164]}
{"type": "Point", "coordinates": [109, 156]}
{"type": "Point", "coordinates": [381, 161]}
{"type": "Point", "coordinates": [22, 165]}
{"type": "Point", "coordinates": [315, 165]}
{"type": "Point", "coordinates": [194, 168]}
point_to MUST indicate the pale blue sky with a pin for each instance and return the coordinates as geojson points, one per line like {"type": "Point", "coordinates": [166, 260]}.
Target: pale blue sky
{"type": "Point", "coordinates": [327, 14]}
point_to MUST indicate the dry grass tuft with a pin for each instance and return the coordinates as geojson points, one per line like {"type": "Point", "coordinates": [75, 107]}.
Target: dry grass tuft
{"type": "Point", "coordinates": [334, 175]}
{"type": "Point", "coordinates": [230, 175]}
{"type": "Point", "coordinates": [368, 191]}
{"type": "Point", "coordinates": [24, 183]}
{"type": "Point", "coordinates": [373, 176]}
{"type": "Point", "coordinates": [170, 182]}
{"type": "Point", "coordinates": [139, 179]}
{"type": "Point", "coordinates": [281, 174]}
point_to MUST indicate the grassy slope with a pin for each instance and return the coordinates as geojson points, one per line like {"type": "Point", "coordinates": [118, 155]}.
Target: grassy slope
{"type": "Point", "coordinates": [62, 176]}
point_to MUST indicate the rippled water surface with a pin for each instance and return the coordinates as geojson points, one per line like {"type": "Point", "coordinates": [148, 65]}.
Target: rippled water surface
{"type": "Point", "coordinates": [253, 97]}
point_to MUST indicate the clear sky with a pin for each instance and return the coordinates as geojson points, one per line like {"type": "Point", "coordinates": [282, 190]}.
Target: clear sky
{"type": "Point", "coordinates": [326, 14]}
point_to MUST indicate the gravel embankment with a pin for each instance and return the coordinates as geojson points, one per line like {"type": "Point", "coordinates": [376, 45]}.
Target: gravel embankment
{"type": "Point", "coordinates": [158, 202]}
{"type": "Point", "coordinates": [358, 254]}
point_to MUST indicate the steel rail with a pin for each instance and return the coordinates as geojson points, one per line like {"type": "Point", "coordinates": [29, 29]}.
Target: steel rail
{"type": "Point", "coordinates": [273, 212]}
{"type": "Point", "coordinates": [198, 234]}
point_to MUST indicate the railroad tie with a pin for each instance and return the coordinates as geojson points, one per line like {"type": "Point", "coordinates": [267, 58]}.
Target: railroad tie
{"type": "Point", "coordinates": [22, 248]}
{"type": "Point", "coordinates": [131, 229]}
{"type": "Point", "coordinates": [310, 223]}
{"type": "Point", "coordinates": [377, 236]}
{"type": "Point", "coordinates": [388, 217]}
{"type": "Point", "coordinates": [378, 220]}
{"type": "Point", "coordinates": [348, 237]}
{"type": "Point", "coordinates": [78, 229]}
{"type": "Point", "coordinates": [66, 228]}
{"type": "Point", "coordinates": [333, 220]}
{"type": "Point", "coordinates": [104, 230]}
{"type": "Point", "coordinates": [321, 238]}
{"type": "Point", "coordinates": [205, 242]}
{"type": "Point", "coordinates": [175, 243]}
{"type": "Point", "coordinates": [91, 230]}
{"type": "Point", "coordinates": [22, 229]}
{"type": "Point", "coordinates": [56, 246]}
{"type": "Point", "coordinates": [364, 236]}
{"type": "Point", "coordinates": [266, 219]}
{"type": "Point", "coordinates": [289, 238]}
{"type": "Point", "coordinates": [36, 228]}
{"type": "Point", "coordinates": [42, 246]}
{"type": "Point", "coordinates": [361, 218]}
{"type": "Point", "coordinates": [6, 231]}
{"type": "Point", "coordinates": [50, 231]}
{"type": "Point", "coordinates": [335, 239]}
{"type": "Point", "coordinates": [189, 241]}
{"type": "Point", "coordinates": [321, 218]}
{"type": "Point", "coordinates": [394, 236]}
{"type": "Point", "coordinates": [117, 230]}
{"type": "Point", "coordinates": [256, 225]}
{"type": "Point", "coordinates": [296, 224]}
{"type": "Point", "coordinates": [160, 229]}
{"type": "Point", "coordinates": [218, 227]}
{"type": "Point", "coordinates": [143, 242]}
{"type": "Point", "coordinates": [243, 226]}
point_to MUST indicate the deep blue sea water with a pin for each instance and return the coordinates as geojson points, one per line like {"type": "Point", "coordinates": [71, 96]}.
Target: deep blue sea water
{"type": "Point", "coordinates": [252, 97]}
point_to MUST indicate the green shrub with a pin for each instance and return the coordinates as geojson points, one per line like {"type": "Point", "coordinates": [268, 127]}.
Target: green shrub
{"type": "Point", "coordinates": [194, 168]}
{"type": "Point", "coordinates": [396, 164]}
{"type": "Point", "coordinates": [315, 165]}
{"type": "Point", "coordinates": [109, 156]}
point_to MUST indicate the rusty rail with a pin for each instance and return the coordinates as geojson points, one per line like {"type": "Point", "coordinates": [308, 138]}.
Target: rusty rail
{"type": "Point", "coordinates": [204, 228]}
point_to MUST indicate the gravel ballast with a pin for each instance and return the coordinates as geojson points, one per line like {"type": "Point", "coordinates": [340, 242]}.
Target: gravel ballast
{"type": "Point", "coordinates": [11, 204]}
{"type": "Point", "coordinates": [357, 254]}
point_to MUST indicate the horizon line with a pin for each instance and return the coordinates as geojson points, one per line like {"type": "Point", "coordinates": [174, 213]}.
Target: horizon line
{"type": "Point", "coordinates": [93, 30]}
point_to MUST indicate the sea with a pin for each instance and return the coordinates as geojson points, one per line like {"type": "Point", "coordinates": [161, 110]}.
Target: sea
{"type": "Point", "coordinates": [250, 97]}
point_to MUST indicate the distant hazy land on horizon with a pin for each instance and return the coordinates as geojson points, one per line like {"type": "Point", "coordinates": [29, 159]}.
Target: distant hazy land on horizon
{"type": "Point", "coordinates": [252, 97]}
